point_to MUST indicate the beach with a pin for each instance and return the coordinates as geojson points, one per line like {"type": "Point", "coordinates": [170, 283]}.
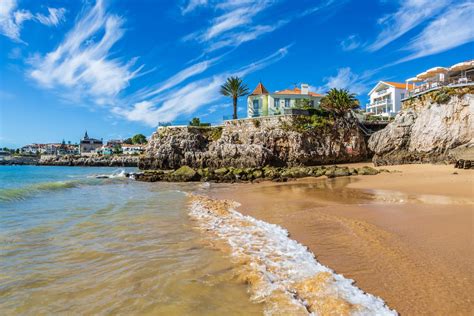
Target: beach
{"type": "Point", "coordinates": [405, 236]}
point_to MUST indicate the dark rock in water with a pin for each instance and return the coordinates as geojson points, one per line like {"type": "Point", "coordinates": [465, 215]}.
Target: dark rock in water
{"type": "Point", "coordinates": [184, 174]}
{"type": "Point", "coordinates": [91, 161]}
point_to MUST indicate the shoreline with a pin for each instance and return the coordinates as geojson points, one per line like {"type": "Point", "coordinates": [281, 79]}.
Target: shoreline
{"type": "Point", "coordinates": [405, 237]}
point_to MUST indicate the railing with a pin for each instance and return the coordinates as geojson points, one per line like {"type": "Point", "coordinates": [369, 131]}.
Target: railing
{"type": "Point", "coordinates": [438, 84]}
{"type": "Point", "coordinates": [379, 103]}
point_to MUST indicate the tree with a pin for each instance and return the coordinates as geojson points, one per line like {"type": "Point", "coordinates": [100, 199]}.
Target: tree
{"type": "Point", "coordinates": [128, 141]}
{"type": "Point", "coordinates": [339, 102]}
{"type": "Point", "coordinates": [195, 122]}
{"type": "Point", "coordinates": [139, 139]}
{"type": "Point", "coordinates": [234, 88]}
{"type": "Point", "coordinates": [304, 104]}
{"type": "Point", "coordinates": [117, 149]}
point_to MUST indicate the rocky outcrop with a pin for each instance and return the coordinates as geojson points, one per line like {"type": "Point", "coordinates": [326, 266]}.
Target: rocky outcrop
{"type": "Point", "coordinates": [96, 161]}
{"type": "Point", "coordinates": [19, 160]}
{"type": "Point", "coordinates": [252, 143]}
{"type": "Point", "coordinates": [427, 130]}
{"type": "Point", "coordinates": [277, 174]}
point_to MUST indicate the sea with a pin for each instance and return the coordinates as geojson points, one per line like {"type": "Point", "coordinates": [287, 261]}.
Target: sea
{"type": "Point", "coordinates": [87, 240]}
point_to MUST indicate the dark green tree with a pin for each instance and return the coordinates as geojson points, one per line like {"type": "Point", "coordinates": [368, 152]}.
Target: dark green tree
{"type": "Point", "coordinates": [234, 88]}
{"type": "Point", "coordinates": [339, 102]}
{"type": "Point", "coordinates": [139, 139]}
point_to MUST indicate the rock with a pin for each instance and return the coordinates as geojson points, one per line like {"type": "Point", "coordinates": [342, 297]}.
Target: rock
{"type": "Point", "coordinates": [335, 171]}
{"type": "Point", "coordinates": [100, 161]}
{"type": "Point", "coordinates": [425, 131]}
{"type": "Point", "coordinates": [275, 141]}
{"type": "Point", "coordinates": [367, 171]}
{"type": "Point", "coordinates": [185, 174]}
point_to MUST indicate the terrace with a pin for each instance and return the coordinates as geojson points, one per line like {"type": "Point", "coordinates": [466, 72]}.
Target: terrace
{"type": "Point", "coordinates": [458, 75]}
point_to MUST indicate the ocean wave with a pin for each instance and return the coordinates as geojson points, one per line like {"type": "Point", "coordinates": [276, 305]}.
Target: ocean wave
{"type": "Point", "coordinates": [21, 193]}
{"type": "Point", "coordinates": [281, 273]}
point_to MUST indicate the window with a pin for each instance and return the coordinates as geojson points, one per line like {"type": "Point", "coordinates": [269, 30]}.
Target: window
{"type": "Point", "coordinates": [403, 95]}
{"type": "Point", "coordinates": [277, 103]}
{"type": "Point", "coordinates": [255, 108]}
{"type": "Point", "coordinates": [287, 103]}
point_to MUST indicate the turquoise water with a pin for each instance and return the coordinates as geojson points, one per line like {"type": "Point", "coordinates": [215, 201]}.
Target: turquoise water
{"type": "Point", "coordinates": [74, 244]}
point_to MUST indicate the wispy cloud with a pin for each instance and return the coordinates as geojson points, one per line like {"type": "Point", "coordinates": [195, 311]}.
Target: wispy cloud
{"type": "Point", "coordinates": [241, 21]}
{"type": "Point", "coordinates": [192, 5]}
{"type": "Point", "coordinates": [350, 43]}
{"type": "Point", "coordinates": [54, 18]}
{"type": "Point", "coordinates": [410, 14]}
{"type": "Point", "coordinates": [81, 65]}
{"type": "Point", "coordinates": [190, 97]}
{"type": "Point", "coordinates": [346, 79]}
{"type": "Point", "coordinates": [454, 28]}
{"type": "Point", "coordinates": [11, 18]}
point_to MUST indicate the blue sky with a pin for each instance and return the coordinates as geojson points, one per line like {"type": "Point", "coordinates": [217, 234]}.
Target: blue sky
{"type": "Point", "coordinates": [118, 67]}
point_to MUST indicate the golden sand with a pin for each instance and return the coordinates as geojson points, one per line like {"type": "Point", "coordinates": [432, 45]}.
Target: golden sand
{"type": "Point", "coordinates": [405, 236]}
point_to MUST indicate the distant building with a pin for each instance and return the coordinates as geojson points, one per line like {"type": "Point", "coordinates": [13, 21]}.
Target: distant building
{"type": "Point", "coordinates": [32, 149]}
{"type": "Point", "coordinates": [263, 103]}
{"type": "Point", "coordinates": [89, 145]}
{"type": "Point", "coordinates": [132, 149]}
{"type": "Point", "coordinates": [386, 97]}
{"type": "Point", "coordinates": [107, 150]}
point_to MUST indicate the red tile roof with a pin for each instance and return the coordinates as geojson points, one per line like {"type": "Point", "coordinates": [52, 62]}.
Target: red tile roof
{"type": "Point", "coordinates": [297, 91]}
{"type": "Point", "coordinates": [260, 89]}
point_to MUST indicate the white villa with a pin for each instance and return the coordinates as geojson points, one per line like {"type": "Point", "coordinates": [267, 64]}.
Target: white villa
{"type": "Point", "coordinates": [263, 103]}
{"type": "Point", "coordinates": [386, 97]}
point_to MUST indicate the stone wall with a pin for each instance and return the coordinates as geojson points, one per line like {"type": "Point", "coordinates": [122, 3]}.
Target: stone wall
{"type": "Point", "coordinates": [256, 142]}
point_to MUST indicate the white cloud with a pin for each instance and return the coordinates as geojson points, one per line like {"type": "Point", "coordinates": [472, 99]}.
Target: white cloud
{"type": "Point", "coordinates": [176, 103]}
{"type": "Point", "coordinates": [192, 5]}
{"type": "Point", "coordinates": [81, 64]}
{"type": "Point", "coordinates": [54, 18]}
{"type": "Point", "coordinates": [350, 43]}
{"type": "Point", "coordinates": [11, 20]}
{"type": "Point", "coordinates": [410, 14]}
{"type": "Point", "coordinates": [453, 28]}
{"type": "Point", "coordinates": [345, 79]}
{"type": "Point", "coordinates": [9, 25]}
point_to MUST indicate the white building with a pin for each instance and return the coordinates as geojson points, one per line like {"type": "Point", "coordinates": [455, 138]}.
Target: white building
{"type": "Point", "coordinates": [385, 98]}
{"type": "Point", "coordinates": [262, 103]}
{"type": "Point", "coordinates": [132, 149]}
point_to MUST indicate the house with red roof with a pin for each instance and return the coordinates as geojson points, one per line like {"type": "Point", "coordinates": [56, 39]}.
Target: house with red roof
{"type": "Point", "coordinates": [386, 98]}
{"type": "Point", "coordinates": [261, 102]}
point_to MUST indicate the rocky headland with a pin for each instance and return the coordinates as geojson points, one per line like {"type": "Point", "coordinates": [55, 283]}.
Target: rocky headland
{"type": "Point", "coordinates": [436, 127]}
{"type": "Point", "coordinates": [279, 141]}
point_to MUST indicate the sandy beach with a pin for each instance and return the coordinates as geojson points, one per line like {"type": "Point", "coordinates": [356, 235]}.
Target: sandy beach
{"type": "Point", "coordinates": [406, 236]}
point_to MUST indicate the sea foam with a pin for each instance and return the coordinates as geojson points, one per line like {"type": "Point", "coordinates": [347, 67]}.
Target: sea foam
{"type": "Point", "coordinates": [282, 274]}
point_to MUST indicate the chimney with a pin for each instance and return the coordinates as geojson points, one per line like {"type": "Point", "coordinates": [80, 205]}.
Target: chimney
{"type": "Point", "coordinates": [304, 88]}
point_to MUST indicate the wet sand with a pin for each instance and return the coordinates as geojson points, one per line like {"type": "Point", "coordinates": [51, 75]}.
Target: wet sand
{"type": "Point", "coordinates": [406, 237]}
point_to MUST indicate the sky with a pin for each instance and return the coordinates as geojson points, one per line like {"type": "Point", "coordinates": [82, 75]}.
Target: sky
{"type": "Point", "coordinates": [120, 67]}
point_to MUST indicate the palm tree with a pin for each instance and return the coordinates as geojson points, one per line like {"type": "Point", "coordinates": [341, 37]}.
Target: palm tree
{"type": "Point", "coordinates": [234, 88]}
{"type": "Point", "coordinates": [339, 101]}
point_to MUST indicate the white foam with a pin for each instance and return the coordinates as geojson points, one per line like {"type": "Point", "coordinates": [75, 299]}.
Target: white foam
{"type": "Point", "coordinates": [281, 262]}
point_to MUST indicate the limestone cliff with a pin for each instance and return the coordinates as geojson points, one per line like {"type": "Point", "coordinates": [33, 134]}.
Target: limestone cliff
{"type": "Point", "coordinates": [429, 129]}
{"type": "Point", "coordinates": [273, 141]}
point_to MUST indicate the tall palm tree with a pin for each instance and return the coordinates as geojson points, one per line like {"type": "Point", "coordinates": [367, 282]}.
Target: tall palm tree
{"type": "Point", "coordinates": [339, 101]}
{"type": "Point", "coordinates": [234, 88]}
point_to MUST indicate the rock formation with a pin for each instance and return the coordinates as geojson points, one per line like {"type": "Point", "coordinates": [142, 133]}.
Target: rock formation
{"type": "Point", "coordinates": [96, 161]}
{"type": "Point", "coordinates": [429, 129]}
{"type": "Point", "coordinates": [273, 141]}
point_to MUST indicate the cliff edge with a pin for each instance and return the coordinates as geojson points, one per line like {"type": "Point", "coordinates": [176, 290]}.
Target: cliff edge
{"type": "Point", "coordinates": [248, 143]}
{"type": "Point", "coordinates": [433, 128]}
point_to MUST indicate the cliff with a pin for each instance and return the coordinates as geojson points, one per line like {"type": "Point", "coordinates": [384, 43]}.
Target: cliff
{"type": "Point", "coordinates": [96, 161]}
{"type": "Point", "coordinates": [433, 128]}
{"type": "Point", "coordinates": [249, 143]}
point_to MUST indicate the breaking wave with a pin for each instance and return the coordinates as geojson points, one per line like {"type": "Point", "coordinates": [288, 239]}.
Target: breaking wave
{"type": "Point", "coordinates": [20, 193]}
{"type": "Point", "coordinates": [280, 272]}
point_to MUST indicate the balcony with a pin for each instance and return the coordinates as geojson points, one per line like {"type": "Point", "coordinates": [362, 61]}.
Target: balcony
{"type": "Point", "coordinates": [382, 103]}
